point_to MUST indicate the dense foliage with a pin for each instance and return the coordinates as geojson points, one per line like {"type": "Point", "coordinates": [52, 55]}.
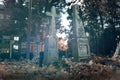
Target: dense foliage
{"type": "Point", "coordinates": [102, 18]}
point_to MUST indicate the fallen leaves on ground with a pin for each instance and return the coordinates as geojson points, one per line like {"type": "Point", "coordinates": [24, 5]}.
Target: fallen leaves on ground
{"type": "Point", "coordinates": [97, 68]}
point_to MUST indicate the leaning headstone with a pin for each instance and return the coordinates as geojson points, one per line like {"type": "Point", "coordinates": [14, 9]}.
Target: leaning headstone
{"type": "Point", "coordinates": [80, 45]}
{"type": "Point", "coordinates": [117, 51]}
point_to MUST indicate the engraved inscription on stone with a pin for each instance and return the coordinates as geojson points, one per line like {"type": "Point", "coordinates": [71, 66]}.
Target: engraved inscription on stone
{"type": "Point", "coordinates": [82, 49]}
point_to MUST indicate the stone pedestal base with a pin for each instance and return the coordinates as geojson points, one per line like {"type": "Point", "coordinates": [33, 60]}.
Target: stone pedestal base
{"type": "Point", "coordinates": [80, 48]}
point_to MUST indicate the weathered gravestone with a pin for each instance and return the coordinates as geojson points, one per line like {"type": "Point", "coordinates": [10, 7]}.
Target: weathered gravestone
{"type": "Point", "coordinates": [80, 45]}
{"type": "Point", "coordinates": [52, 41]}
{"type": "Point", "coordinates": [117, 51]}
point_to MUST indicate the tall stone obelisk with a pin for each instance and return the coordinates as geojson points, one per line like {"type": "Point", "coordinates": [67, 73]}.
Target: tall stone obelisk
{"type": "Point", "coordinates": [80, 43]}
{"type": "Point", "coordinates": [52, 41]}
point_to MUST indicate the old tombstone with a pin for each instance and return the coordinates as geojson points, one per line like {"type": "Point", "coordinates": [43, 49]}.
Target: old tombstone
{"type": "Point", "coordinates": [80, 45]}
{"type": "Point", "coordinates": [52, 41]}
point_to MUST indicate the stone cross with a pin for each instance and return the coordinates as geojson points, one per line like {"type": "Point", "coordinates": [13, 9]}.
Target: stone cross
{"type": "Point", "coordinates": [52, 41]}
{"type": "Point", "coordinates": [53, 15]}
{"type": "Point", "coordinates": [80, 45]}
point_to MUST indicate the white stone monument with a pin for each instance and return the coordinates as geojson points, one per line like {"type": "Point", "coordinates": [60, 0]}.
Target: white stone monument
{"type": "Point", "coordinates": [80, 43]}
{"type": "Point", "coordinates": [52, 41]}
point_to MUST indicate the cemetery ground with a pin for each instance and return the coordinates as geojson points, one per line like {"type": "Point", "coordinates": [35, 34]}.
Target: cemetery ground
{"type": "Point", "coordinates": [96, 68]}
